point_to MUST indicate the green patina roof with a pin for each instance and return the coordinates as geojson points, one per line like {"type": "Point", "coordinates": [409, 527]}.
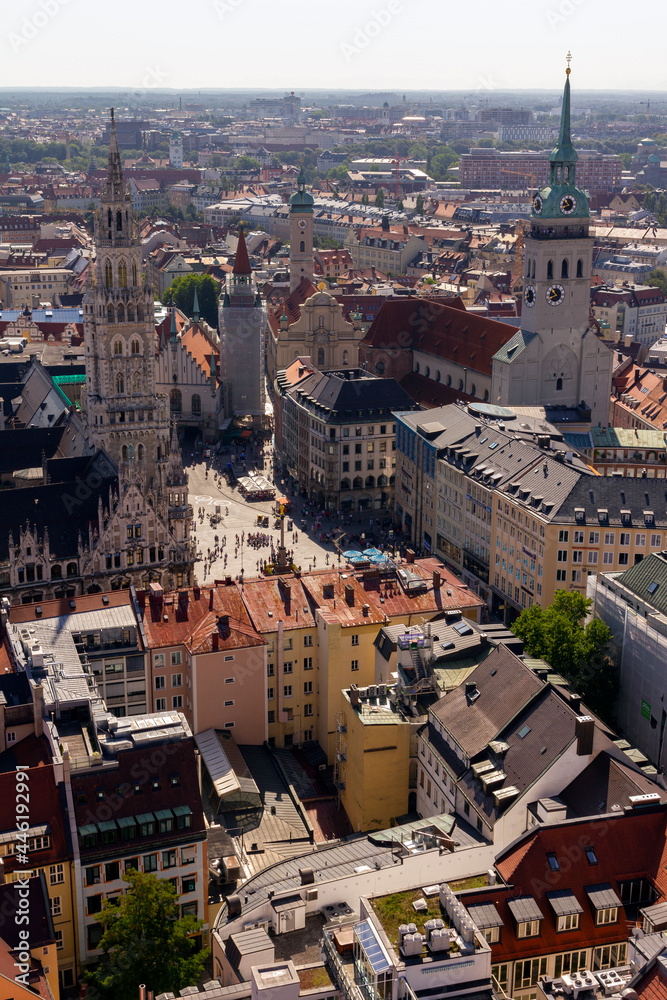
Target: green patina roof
{"type": "Point", "coordinates": [641, 576]}
{"type": "Point", "coordinates": [562, 172]}
{"type": "Point", "coordinates": [69, 379]}
{"type": "Point", "coordinates": [628, 437]}
{"type": "Point", "coordinates": [301, 200]}
{"type": "Point", "coordinates": [511, 350]}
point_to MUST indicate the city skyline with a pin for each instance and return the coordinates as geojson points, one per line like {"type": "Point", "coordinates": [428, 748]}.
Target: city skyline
{"type": "Point", "coordinates": [390, 44]}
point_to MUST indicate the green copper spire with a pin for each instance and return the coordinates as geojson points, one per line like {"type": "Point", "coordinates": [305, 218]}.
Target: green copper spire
{"type": "Point", "coordinates": [564, 156]}
{"type": "Point", "coordinates": [195, 307]}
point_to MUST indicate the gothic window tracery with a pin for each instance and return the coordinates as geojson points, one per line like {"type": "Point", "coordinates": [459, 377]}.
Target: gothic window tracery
{"type": "Point", "coordinates": [120, 383]}
{"type": "Point", "coordinates": [108, 274]}
{"type": "Point", "coordinates": [122, 275]}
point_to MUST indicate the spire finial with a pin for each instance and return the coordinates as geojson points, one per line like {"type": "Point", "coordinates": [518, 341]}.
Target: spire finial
{"type": "Point", "coordinates": [569, 60]}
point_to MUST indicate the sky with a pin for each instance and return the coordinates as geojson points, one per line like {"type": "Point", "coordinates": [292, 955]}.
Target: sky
{"type": "Point", "coordinates": [353, 44]}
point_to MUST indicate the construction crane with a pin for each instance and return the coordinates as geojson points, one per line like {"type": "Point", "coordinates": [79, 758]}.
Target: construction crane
{"type": "Point", "coordinates": [520, 173]}
{"type": "Point", "coordinates": [648, 106]}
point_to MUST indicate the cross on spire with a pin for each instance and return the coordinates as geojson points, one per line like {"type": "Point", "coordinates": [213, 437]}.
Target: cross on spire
{"type": "Point", "coordinates": [569, 60]}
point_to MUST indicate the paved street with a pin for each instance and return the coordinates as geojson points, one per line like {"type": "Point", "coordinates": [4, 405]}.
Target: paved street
{"type": "Point", "coordinates": [238, 518]}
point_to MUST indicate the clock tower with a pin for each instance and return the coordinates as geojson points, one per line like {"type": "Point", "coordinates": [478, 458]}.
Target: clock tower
{"type": "Point", "coordinates": [301, 234]}
{"type": "Point", "coordinates": [556, 359]}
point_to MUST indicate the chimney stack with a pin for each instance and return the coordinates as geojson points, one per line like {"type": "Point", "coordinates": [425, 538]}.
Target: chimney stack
{"type": "Point", "coordinates": [210, 600]}
{"type": "Point", "coordinates": [436, 579]}
{"type": "Point", "coordinates": [349, 594]}
{"type": "Point", "coordinates": [584, 731]}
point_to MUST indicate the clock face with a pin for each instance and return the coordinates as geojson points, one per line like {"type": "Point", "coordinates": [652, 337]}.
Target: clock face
{"type": "Point", "coordinates": [302, 224]}
{"type": "Point", "coordinates": [529, 295]}
{"type": "Point", "coordinates": [555, 295]}
{"type": "Point", "coordinates": [568, 203]}
{"type": "Point", "coordinates": [537, 205]}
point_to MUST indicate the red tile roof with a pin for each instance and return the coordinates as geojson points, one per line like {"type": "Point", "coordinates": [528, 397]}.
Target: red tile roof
{"type": "Point", "coordinates": [628, 845]}
{"type": "Point", "coordinates": [430, 394]}
{"type": "Point", "coordinates": [45, 807]}
{"type": "Point", "coordinates": [652, 986]}
{"type": "Point", "coordinates": [242, 262]}
{"type": "Point", "coordinates": [446, 331]}
{"type": "Point", "coordinates": [452, 594]}
{"type": "Point", "coordinates": [196, 623]}
{"type": "Point", "coordinates": [268, 601]}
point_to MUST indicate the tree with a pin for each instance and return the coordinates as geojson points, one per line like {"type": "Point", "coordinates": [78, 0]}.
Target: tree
{"type": "Point", "coordinates": [144, 941]}
{"type": "Point", "coordinates": [657, 279]}
{"type": "Point", "coordinates": [182, 292]}
{"type": "Point", "coordinates": [558, 635]}
{"type": "Point", "coordinates": [379, 199]}
{"type": "Point", "coordinates": [364, 199]}
{"type": "Point", "coordinates": [247, 163]}
{"type": "Point", "coordinates": [419, 205]}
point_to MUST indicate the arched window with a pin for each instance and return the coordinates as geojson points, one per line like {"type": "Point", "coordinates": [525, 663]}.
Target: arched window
{"type": "Point", "coordinates": [534, 265]}
{"type": "Point", "coordinates": [473, 389]}
{"type": "Point", "coordinates": [358, 483]}
{"type": "Point", "coordinates": [379, 368]}
{"type": "Point", "coordinates": [56, 572]}
{"type": "Point", "coordinates": [118, 346]}
{"type": "Point", "coordinates": [580, 268]}
{"type": "Point", "coordinates": [559, 384]}
{"type": "Point", "coordinates": [120, 315]}
{"type": "Point", "coordinates": [134, 274]}
{"type": "Point", "coordinates": [460, 385]}
{"type": "Point", "coordinates": [140, 452]}
{"type": "Point", "coordinates": [140, 312]}
{"type": "Point", "coordinates": [427, 371]}
{"type": "Point", "coordinates": [382, 480]}
{"type": "Point", "coordinates": [417, 367]}
{"type": "Point", "coordinates": [130, 313]}
{"type": "Point", "coordinates": [135, 346]}
{"type": "Point", "coordinates": [550, 269]}
{"type": "Point", "coordinates": [370, 482]}
{"type": "Point", "coordinates": [196, 405]}
{"type": "Point", "coordinates": [108, 274]}
{"type": "Point", "coordinates": [72, 569]}
{"type": "Point", "coordinates": [109, 218]}
{"type": "Point", "coordinates": [122, 275]}
{"type": "Point", "coordinates": [136, 382]}
{"type": "Point", "coordinates": [119, 222]}
{"type": "Point", "coordinates": [437, 375]}
{"type": "Point", "coordinates": [302, 247]}
{"type": "Point", "coordinates": [123, 453]}
{"type": "Point", "coordinates": [392, 480]}
{"type": "Point", "coordinates": [109, 313]}
{"type": "Point", "coordinates": [486, 395]}
{"type": "Point", "coordinates": [345, 484]}
{"type": "Point", "coordinates": [449, 380]}
{"type": "Point", "coordinates": [320, 355]}
{"type": "Point", "coordinates": [563, 269]}
{"type": "Point", "coordinates": [175, 401]}
{"type": "Point", "coordinates": [345, 357]}
{"type": "Point", "coordinates": [120, 384]}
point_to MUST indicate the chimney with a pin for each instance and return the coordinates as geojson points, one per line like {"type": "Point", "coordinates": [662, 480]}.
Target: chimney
{"type": "Point", "coordinates": [436, 579]}
{"type": "Point", "coordinates": [210, 600]}
{"type": "Point", "coordinates": [584, 731]}
{"type": "Point", "coordinates": [410, 555]}
{"type": "Point", "coordinates": [354, 696]}
{"type": "Point", "coordinates": [38, 708]}
{"type": "Point", "coordinates": [349, 594]}
{"type": "Point", "coordinates": [365, 609]}
{"type": "Point", "coordinates": [215, 642]}
{"type": "Point", "coordinates": [575, 702]}
{"type": "Point", "coordinates": [628, 339]}
{"type": "Point", "coordinates": [142, 992]}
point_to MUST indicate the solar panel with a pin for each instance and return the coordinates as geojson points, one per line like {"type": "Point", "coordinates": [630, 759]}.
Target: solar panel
{"type": "Point", "coordinates": [372, 947]}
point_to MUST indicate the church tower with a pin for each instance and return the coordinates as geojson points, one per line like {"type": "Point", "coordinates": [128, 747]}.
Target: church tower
{"type": "Point", "coordinates": [556, 359]}
{"type": "Point", "coordinates": [301, 234]}
{"type": "Point", "coordinates": [124, 414]}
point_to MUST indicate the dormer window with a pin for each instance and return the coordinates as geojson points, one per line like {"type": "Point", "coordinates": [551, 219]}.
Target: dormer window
{"type": "Point", "coordinates": [552, 861]}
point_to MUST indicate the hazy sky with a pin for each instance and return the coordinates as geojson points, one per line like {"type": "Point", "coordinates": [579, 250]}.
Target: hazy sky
{"type": "Point", "coordinates": [386, 44]}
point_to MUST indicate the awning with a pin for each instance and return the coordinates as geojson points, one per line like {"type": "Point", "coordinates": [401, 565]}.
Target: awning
{"type": "Point", "coordinates": [602, 896]}
{"type": "Point", "coordinates": [106, 827]}
{"type": "Point", "coordinates": [127, 821]}
{"type": "Point", "coordinates": [564, 903]}
{"type": "Point", "coordinates": [525, 908]}
{"type": "Point", "coordinates": [164, 814]}
{"type": "Point", "coordinates": [87, 831]}
{"type": "Point", "coordinates": [182, 811]}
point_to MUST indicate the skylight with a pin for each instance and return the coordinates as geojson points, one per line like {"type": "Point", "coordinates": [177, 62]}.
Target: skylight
{"type": "Point", "coordinates": [523, 732]}
{"type": "Point", "coordinates": [652, 587]}
{"type": "Point", "coordinates": [553, 862]}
